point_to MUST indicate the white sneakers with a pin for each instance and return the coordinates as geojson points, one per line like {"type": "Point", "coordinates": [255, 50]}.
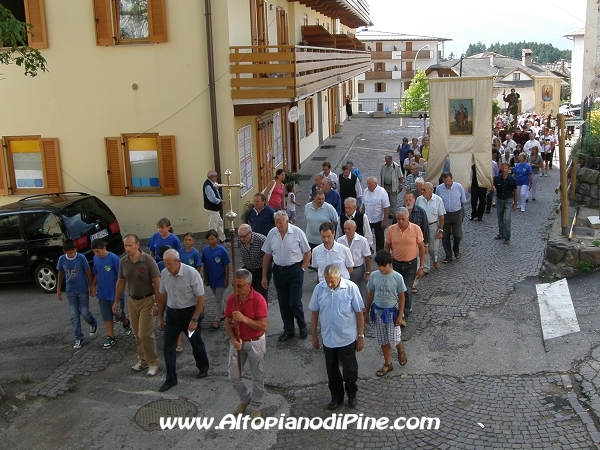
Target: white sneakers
{"type": "Point", "coordinates": [152, 370]}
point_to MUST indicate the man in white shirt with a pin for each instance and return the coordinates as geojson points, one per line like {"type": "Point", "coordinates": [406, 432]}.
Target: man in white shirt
{"type": "Point", "coordinates": [361, 255]}
{"type": "Point", "coordinates": [331, 252]}
{"type": "Point", "coordinates": [509, 145]}
{"type": "Point", "coordinates": [327, 173]}
{"type": "Point", "coordinates": [363, 226]}
{"type": "Point", "coordinates": [532, 142]}
{"type": "Point", "coordinates": [376, 205]}
{"type": "Point", "coordinates": [434, 207]}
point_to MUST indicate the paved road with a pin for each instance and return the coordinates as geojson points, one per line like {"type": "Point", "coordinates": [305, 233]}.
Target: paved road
{"type": "Point", "coordinates": [477, 358]}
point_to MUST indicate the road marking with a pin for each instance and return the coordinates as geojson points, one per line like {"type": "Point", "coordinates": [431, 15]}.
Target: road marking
{"type": "Point", "coordinates": [557, 314]}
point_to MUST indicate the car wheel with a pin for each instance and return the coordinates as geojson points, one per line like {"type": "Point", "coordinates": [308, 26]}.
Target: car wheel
{"type": "Point", "coordinates": [45, 277]}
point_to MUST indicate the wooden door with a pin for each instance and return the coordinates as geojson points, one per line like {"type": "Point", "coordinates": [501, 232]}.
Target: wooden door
{"type": "Point", "coordinates": [332, 110]}
{"type": "Point", "coordinates": [264, 137]}
{"type": "Point", "coordinates": [283, 37]}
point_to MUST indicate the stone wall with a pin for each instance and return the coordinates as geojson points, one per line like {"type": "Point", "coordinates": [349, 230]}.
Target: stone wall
{"type": "Point", "coordinates": [588, 179]}
{"type": "Point", "coordinates": [564, 257]}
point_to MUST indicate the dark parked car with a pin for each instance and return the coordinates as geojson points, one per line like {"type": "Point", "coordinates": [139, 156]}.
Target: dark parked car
{"type": "Point", "coordinates": [33, 229]}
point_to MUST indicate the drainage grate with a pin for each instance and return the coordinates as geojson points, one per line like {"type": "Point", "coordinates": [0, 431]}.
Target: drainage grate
{"type": "Point", "coordinates": [409, 330]}
{"type": "Point", "coordinates": [336, 137]}
{"type": "Point", "coordinates": [444, 299]}
{"type": "Point", "coordinates": [327, 146]}
{"type": "Point", "coordinates": [305, 177]}
{"type": "Point", "coordinates": [319, 158]}
{"type": "Point", "coordinates": [148, 416]}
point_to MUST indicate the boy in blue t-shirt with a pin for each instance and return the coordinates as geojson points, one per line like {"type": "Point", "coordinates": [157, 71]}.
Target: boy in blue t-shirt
{"type": "Point", "coordinates": [106, 272]}
{"type": "Point", "coordinates": [75, 270]}
{"type": "Point", "coordinates": [215, 262]}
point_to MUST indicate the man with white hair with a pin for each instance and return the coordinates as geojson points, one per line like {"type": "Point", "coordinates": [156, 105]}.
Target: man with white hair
{"type": "Point", "coordinates": [363, 226]}
{"type": "Point", "coordinates": [434, 207]}
{"type": "Point", "coordinates": [376, 205]}
{"type": "Point", "coordinates": [182, 293]}
{"type": "Point", "coordinates": [391, 180]}
{"type": "Point", "coordinates": [213, 204]}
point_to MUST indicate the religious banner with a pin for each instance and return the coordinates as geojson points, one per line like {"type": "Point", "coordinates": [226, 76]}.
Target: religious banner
{"type": "Point", "coordinates": [460, 114]}
{"type": "Point", "coordinates": [547, 95]}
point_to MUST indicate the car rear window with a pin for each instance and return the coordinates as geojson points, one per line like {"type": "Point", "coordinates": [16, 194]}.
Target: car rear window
{"type": "Point", "coordinates": [82, 217]}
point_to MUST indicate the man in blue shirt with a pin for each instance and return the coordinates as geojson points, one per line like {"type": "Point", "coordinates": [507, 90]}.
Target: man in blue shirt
{"type": "Point", "coordinates": [338, 305]}
{"type": "Point", "coordinates": [331, 195]}
{"type": "Point", "coordinates": [453, 195]}
{"type": "Point", "coordinates": [260, 218]}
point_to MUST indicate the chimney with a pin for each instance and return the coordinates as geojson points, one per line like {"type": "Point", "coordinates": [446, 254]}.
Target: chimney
{"type": "Point", "coordinates": [492, 59]}
{"type": "Point", "coordinates": [526, 56]}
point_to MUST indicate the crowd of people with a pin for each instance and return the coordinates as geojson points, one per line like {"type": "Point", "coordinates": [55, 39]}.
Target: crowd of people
{"type": "Point", "coordinates": [347, 229]}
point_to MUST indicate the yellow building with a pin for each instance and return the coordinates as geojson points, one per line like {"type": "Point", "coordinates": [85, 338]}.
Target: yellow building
{"type": "Point", "coordinates": [125, 111]}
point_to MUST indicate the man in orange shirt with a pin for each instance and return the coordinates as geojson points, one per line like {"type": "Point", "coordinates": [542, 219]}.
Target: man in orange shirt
{"type": "Point", "coordinates": [405, 241]}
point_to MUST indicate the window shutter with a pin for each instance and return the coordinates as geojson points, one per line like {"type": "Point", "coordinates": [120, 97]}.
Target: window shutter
{"type": "Point", "coordinates": [34, 14]}
{"type": "Point", "coordinates": [103, 21]}
{"type": "Point", "coordinates": [167, 165]}
{"type": "Point", "coordinates": [51, 164]}
{"type": "Point", "coordinates": [3, 174]}
{"type": "Point", "coordinates": [157, 21]}
{"type": "Point", "coordinates": [114, 163]}
{"type": "Point", "coordinates": [265, 23]}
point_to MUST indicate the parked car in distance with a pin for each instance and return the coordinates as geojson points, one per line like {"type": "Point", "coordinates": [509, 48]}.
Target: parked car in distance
{"type": "Point", "coordinates": [32, 231]}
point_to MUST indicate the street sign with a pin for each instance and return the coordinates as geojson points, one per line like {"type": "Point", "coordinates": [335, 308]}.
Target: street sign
{"type": "Point", "coordinates": [574, 122]}
{"type": "Point", "coordinates": [293, 114]}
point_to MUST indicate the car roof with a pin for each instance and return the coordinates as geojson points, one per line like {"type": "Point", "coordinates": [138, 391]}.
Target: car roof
{"type": "Point", "coordinates": [44, 201]}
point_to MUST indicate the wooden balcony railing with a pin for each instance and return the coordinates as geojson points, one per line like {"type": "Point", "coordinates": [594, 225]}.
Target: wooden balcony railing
{"type": "Point", "coordinates": [423, 54]}
{"type": "Point", "coordinates": [410, 74]}
{"type": "Point", "coordinates": [381, 55]}
{"type": "Point", "coordinates": [287, 73]}
{"type": "Point", "coordinates": [381, 75]}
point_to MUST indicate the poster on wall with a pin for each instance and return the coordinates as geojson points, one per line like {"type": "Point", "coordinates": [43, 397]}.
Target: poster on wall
{"type": "Point", "coordinates": [277, 139]}
{"type": "Point", "coordinates": [302, 127]}
{"type": "Point", "coordinates": [245, 156]}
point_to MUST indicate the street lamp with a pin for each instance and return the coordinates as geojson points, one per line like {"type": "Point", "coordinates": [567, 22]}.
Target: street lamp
{"type": "Point", "coordinates": [416, 55]}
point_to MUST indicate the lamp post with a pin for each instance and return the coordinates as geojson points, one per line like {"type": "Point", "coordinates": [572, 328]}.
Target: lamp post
{"type": "Point", "coordinates": [416, 55]}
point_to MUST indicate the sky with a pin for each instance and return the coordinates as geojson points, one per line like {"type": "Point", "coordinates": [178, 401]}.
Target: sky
{"type": "Point", "coordinates": [470, 21]}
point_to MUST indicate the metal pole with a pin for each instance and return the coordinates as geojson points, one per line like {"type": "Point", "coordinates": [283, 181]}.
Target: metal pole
{"type": "Point", "coordinates": [562, 154]}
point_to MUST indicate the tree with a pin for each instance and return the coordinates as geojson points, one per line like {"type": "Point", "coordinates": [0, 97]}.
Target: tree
{"type": "Point", "coordinates": [474, 49]}
{"type": "Point", "coordinates": [416, 97]}
{"type": "Point", "coordinates": [542, 53]}
{"type": "Point", "coordinates": [13, 36]}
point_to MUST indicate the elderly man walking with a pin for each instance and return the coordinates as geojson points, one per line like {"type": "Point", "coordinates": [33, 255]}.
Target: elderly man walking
{"type": "Point", "coordinates": [391, 180]}
{"type": "Point", "coordinates": [250, 245]}
{"type": "Point", "coordinates": [363, 226]}
{"type": "Point", "coordinates": [249, 312]}
{"type": "Point", "coordinates": [453, 196]}
{"type": "Point", "coordinates": [434, 207]}
{"type": "Point", "coordinates": [376, 205]}
{"type": "Point", "coordinates": [213, 204]}
{"type": "Point", "coordinates": [405, 241]}
{"type": "Point", "coordinates": [138, 270]}
{"type": "Point", "coordinates": [331, 252]}
{"type": "Point", "coordinates": [337, 304]}
{"type": "Point", "coordinates": [182, 293]}
{"type": "Point", "coordinates": [361, 255]}
{"type": "Point", "coordinates": [287, 246]}
{"type": "Point", "coordinates": [315, 213]}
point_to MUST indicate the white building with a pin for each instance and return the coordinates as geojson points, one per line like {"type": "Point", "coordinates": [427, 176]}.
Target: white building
{"type": "Point", "coordinates": [578, 38]}
{"type": "Point", "coordinates": [395, 57]}
{"type": "Point", "coordinates": [591, 76]}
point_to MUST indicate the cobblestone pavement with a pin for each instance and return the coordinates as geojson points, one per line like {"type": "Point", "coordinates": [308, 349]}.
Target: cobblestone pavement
{"type": "Point", "coordinates": [538, 410]}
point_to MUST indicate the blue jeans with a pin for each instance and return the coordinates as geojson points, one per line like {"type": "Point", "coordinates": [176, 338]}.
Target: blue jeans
{"type": "Point", "coordinates": [79, 304]}
{"type": "Point", "coordinates": [177, 321]}
{"type": "Point", "coordinates": [504, 208]}
{"type": "Point", "coordinates": [288, 282]}
{"type": "Point", "coordinates": [408, 270]}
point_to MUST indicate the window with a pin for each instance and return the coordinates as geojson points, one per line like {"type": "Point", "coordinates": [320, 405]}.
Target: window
{"type": "Point", "coordinates": [309, 114]}
{"type": "Point", "coordinates": [378, 46]}
{"type": "Point", "coordinates": [406, 85]}
{"type": "Point", "coordinates": [33, 166]}
{"type": "Point", "coordinates": [409, 46]}
{"type": "Point", "coordinates": [130, 21]}
{"type": "Point", "coordinates": [361, 88]}
{"type": "Point", "coordinates": [9, 228]}
{"type": "Point", "coordinates": [379, 67]}
{"type": "Point", "coordinates": [379, 87]}
{"type": "Point", "coordinates": [142, 164]}
{"type": "Point", "coordinates": [516, 76]}
{"type": "Point", "coordinates": [32, 12]}
{"type": "Point", "coordinates": [40, 225]}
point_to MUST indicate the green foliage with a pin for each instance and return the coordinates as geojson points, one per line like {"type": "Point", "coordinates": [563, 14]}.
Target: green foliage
{"type": "Point", "coordinates": [542, 53]}
{"type": "Point", "coordinates": [592, 134]}
{"type": "Point", "coordinates": [416, 97]}
{"type": "Point", "coordinates": [495, 109]}
{"type": "Point", "coordinates": [292, 177]}
{"type": "Point", "coordinates": [585, 266]}
{"type": "Point", "coordinates": [596, 243]}
{"type": "Point", "coordinates": [13, 36]}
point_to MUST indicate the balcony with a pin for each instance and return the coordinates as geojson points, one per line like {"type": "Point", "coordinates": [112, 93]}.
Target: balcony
{"type": "Point", "coordinates": [281, 74]}
{"type": "Point", "coordinates": [423, 54]}
{"type": "Point", "coordinates": [380, 75]}
{"type": "Point", "coordinates": [386, 55]}
{"type": "Point", "coordinates": [352, 13]}
{"type": "Point", "coordinates": [408, 74]}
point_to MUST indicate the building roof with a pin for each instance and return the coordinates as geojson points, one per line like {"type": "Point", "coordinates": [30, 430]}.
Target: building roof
{"type": "Point", "coordinates": [374, 35]}
{"type": "Point", "coordinates": [579, 32]}
{"type": "Point", "coordinates": [481, 65]}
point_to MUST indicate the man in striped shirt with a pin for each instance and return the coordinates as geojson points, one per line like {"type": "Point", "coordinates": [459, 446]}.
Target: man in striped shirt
{"type": "Point", "coordinates": [250, 245]}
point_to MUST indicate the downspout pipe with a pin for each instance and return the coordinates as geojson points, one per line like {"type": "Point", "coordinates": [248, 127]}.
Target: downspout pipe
{"type": "Point", "coordinates": [212, 87]}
